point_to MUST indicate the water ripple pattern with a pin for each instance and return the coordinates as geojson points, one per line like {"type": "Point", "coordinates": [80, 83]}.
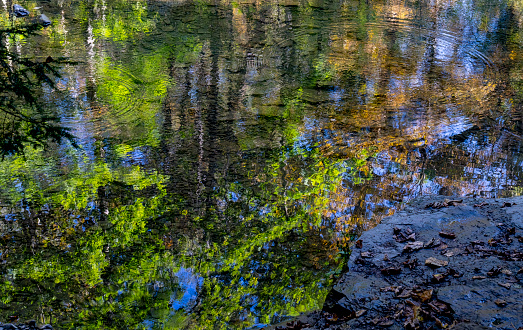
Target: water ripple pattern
{"type": "Point", "coordinates": [127, 90]}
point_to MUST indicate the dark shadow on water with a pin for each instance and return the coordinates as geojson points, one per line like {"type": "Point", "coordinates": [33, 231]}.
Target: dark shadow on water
{"type": "Point", "coordinates": [25, 121]}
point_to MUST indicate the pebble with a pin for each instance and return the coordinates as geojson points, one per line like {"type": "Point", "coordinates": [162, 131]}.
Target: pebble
{"type": "Point", "coordinates": [44, 20]}
{"type": "Point", "coordinates": [20, 11]}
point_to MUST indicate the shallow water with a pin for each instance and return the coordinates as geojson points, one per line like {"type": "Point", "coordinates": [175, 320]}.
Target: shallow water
{"type": "Point", "coordinates": [232, 151]}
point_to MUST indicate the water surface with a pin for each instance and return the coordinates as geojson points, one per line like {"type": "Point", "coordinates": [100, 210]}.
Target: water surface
{"type": "Point", "coordinates": [232, 151]}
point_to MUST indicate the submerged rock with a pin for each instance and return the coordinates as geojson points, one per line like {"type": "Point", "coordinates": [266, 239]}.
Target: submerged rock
{"type": "Point", "coordinates": [44, 20]}
{"type": "Point", "coordinates": [20, 11]}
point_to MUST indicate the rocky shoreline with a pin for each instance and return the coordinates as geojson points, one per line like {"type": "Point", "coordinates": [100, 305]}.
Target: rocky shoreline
{"type": "Point", "coordinates": [438, 264]}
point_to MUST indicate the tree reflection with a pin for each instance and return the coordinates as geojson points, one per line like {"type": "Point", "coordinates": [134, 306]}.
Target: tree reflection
{"type": "Point", "coordinates": [25, 121]}
{"type": "Point", "coordinates": [231, 151]}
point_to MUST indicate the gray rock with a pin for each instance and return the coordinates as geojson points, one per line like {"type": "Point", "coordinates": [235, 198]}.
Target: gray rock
{"type": "Point", "coordinates": [20, 11]}
{"type": "Point", "coordinates": [471, 294]}
{"type": "Point", "coordinates": [44, 20]}
{"type": "Point", "coordinates": [9, 326]}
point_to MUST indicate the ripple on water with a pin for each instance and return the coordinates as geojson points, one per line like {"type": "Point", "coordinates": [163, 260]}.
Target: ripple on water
{"type": "Point", "coordinates": [439, 45]}
{"type": "Point", "coordinates": [121, 93]}
{"type": "Point", "coordinates": [417, 81]}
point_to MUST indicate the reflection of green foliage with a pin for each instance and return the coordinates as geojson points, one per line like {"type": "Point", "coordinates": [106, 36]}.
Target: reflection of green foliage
{"type": "Point", "coordinates": [187, 51]}
{"type": "Point", "coordinates": [278, 212]}
{"type": "Point", "coordinates": [111, 267]}
{"type": "Point", "coordinates": [324, 72]}
{"type": "Point", "coordinates": [135, 98]}
{"type": "Point", "coordinates": [125, 20]}
{"type": "Point", "coordinates": [90, 251]}
{"type": "Point", "coordinates": [358, 170]}
{"type": "Point", "coordinates": [293, 113]}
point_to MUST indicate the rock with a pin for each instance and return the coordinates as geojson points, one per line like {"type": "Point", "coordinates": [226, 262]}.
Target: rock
{"type": "Point", "coordinates": [435, 263]}
{"type": "Point", "coordinates": [360, 312]}
{"type": "Point", "coordinates": [391, 271]}
{"type": "Point", "coordinates": [432, 243]}
{"type": "Point", "coordinates": [9, 326]}
{"type": "Point", "coordinates": [447, 234]}
{"type": "Point", "coordinates": [483, 284]}
{"type": "Point", "coordinates": [44, 20]}
{"type": "Point", "coordinates": [366, 255]}
{"type": "Point", "coordinates": [445, 203]}
{"type": "Point", "coordinates": [413, 246]}
{"type": "Point", "coordinates": [20, 11]}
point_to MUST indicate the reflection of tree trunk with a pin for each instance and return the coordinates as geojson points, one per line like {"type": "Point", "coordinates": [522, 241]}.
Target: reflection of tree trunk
{"type": "Point", "coordinates": [503, 34]}
{"type": "Point", "coordinates": [8, 5]}
{"type": "Point", "coordinates": [385, 77]}
{"type": "Point", "coordinates": [213, 109]}
{"type": "Point", "coordinates": [360, 207]}
{"type": "Point", "coordinates": [96, 111]}
{"type": "Point", "coordinates": [217, 129]}
{"type": "Point", "coordinates": [195, 105]}
{"type": "Point", "coordinates": [428, 65]}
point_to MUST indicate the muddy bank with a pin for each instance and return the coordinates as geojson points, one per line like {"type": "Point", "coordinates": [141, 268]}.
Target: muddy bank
{"type": "Point", "coordinates": [436, 264]}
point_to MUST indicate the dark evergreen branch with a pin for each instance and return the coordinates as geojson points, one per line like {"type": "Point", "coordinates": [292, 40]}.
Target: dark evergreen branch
{"type": "Point", "coordinates": [25, 122]}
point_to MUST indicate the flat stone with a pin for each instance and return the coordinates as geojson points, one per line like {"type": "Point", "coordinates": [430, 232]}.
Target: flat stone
{"type": "Point", "coordinates": [435, 263]}
{"type": "Point", "coordinates": [464, 286]}
{"type": "Point", "coordinates": [413, 246]}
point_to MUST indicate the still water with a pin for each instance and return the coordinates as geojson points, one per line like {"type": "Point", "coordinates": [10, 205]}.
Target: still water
{"type": "Point", "coordinates": [230, 152]}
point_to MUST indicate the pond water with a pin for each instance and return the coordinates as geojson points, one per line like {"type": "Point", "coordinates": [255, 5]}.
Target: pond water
{"type": "Point", "coordinates": [230, 152]}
